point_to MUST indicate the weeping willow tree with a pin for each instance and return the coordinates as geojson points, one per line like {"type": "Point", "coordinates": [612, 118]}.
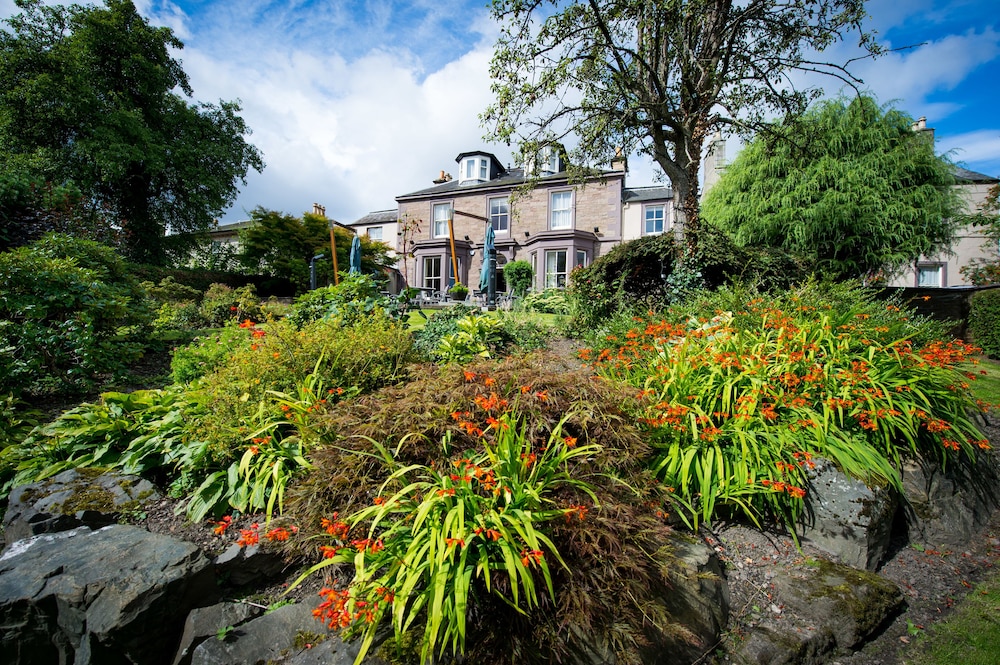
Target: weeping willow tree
{"type": "Point", "coordinates": [849, 187]}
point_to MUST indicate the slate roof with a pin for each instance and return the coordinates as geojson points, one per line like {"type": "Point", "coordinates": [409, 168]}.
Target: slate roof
{"type": "Point", "coordinates": [965, 175]}
{"type": "Point", "coordinates": [377, 217]}
{"type": "Point", "coordinates": [639, 194]}
{"type": "Point", "coordinates": [513, 178]}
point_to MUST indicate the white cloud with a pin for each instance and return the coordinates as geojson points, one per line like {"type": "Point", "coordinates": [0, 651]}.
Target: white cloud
{"type": "Point", "coordinates": [980, 148]}
{"type": "Point", "coordinates": [939, 65]}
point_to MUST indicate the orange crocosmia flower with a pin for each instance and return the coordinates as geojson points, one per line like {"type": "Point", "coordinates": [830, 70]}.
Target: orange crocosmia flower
{"type": "Point", "coordinates": [493, 422]}
{"type": "Point", "coordinates": [570, 441]}
{"type": "Point", "coordinates": [276, 355]}
{"type": "Point", "coordinates": [278, 534]}
{"type": "Point", "coordinates": [525, 390]}
{"type": "Point", "coordinates": [469, 376]}
{"type": "Point", "coordinates": [247, 324]}
{"type": "Point", "coordinates": [257, 333]}
{"type": "Point", "coordinates": [489, 381]}
{"type": "Point", "coordinates": [454, 541]}
{"type": "Point", "coordinates": [542, 395]}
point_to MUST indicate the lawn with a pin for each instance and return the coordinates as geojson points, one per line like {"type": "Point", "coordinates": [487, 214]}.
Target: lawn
{"type": "Point", "coordinates": [417, 318]}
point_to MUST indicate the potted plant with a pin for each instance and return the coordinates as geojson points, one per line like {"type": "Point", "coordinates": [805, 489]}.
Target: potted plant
{"type": "Point", "coordinates": [459, 291]}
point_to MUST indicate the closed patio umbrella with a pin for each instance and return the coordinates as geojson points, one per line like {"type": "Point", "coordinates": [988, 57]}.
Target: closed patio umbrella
{"type": "Point", "coordinates": [355, 256]}
{"type": "Point", "coordinates": [489, 248]}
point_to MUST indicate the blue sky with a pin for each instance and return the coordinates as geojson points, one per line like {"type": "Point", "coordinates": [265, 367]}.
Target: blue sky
{"type": "Point", "coordinates": [355, 102]}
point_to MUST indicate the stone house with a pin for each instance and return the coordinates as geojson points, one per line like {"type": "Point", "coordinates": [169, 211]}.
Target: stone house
{"type": "Point", "coordinates": [556, 225]}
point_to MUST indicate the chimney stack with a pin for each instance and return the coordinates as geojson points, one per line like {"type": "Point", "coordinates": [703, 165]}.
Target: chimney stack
{"type": "Point", "coordinates": [318, 210]}
{"type": "Point", "coordinates": [443, 178]}
{"type": "Point", "coordinates": [620, 162]}
{"type": "Point", "coordinates": [920, 127]}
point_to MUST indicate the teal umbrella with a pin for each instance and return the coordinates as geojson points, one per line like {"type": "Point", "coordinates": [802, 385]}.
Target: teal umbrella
{"type": "Point", "coordinates": [489, 249]}
{"type": "Point", "coordinates": [355, 256]}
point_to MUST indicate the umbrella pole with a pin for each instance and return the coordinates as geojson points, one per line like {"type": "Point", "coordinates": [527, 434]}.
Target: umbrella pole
{"type": "Point", "coordinates": [451, 238]}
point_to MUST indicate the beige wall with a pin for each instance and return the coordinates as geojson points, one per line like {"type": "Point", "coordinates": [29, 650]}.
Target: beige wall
{"type": "Point", "coordinates": [970, 244]}
{"type": "Point", "coordinates": [633, 217]}
{"type": "Point", "coordinates": [595, 205]}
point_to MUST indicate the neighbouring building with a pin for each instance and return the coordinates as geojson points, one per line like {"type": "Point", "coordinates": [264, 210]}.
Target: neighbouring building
{"type": "Point", "coordinates": [556, 226]}
{"type": "Point", "coordinates": [944, 269]}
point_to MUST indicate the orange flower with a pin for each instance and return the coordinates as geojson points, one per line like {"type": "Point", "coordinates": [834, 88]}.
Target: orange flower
{"type": "Point", "coordinates": [220, 527]}
{"type": "Point", "coordinates": [570, 441]}
{"type": "Point", "coordinates": [469, 376]}
{"type": "Point", "coordinates": [489, 381]}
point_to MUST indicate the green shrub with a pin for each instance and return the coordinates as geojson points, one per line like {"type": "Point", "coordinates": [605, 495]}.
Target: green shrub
{"type": "Point", "coordinates": [207, 352]}
{"type": "Point", "coordinates": [440, 324]}
{"type": "Point", "coordinates": [141, 432]}
{"type": "Point", "coordinates": [170, 291]}
{"type": "Point", "coordinates": [654, 272]}
{"type": "Point", "coordinates": [519, 276]}
{"type": "Point", "coordinates": [70, 313]}
{"type": "Point", "coordinates": [179, 316]}
{"type": "Point", "coordinates": [221, 304]}
{"type": "Point", "coordinates": [549, 301]}
{"type": "Point", "coordinates": [356, 297]}
{"type": "Point", "coordinates": [367, 355]}
{"type": "Point", "coordinates": [984, 321]}
{"type": "Point", "coordinates": [739, 400]}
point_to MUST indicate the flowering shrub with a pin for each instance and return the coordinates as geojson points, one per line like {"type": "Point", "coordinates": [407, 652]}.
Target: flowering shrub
{"type": "Point", "coordinates": [434, 533]}
{"type": "Point", "coordinates": [740, 401]}
{"type": "Point", "coordinates": [221, 304]}
{"type": "Point", "coordinates": [466, 431]}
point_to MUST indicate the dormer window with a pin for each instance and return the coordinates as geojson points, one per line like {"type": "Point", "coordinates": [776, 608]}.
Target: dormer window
{"type": "Point", "coordinates": [475, 169]}
{"type": "Point", "coordinates": [549, 160]}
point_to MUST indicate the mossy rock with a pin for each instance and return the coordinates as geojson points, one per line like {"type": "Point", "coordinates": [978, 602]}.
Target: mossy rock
{"type": "Point", "coordinates": [91, 497]}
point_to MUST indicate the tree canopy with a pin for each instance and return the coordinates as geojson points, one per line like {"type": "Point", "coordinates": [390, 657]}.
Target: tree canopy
{"type": "Point", "coordinates": [850, 187]}
{"type": "Point", "coordinates": [92, 96]}
{"type": "Point", "coordinates": [657, 76]}
{"type": "Point", "coordinates": [282, 245]}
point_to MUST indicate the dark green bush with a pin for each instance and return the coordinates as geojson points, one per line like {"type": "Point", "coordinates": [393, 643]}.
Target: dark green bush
{"type": "Point", "coordinates": [518, 275]}
{"type": "Point", "coordinates": [70, 311]}
{"type": "Point", "coordinates": [653, 272]}
{"type": "Point", "coordinates": [984, 321]}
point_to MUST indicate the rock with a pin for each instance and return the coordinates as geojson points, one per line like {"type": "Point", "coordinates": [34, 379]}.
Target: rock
{"type": "Point", "coordinates": [699, 597]}
{"type": "Point", "coordinates": [949, 507]}
{"type": "Point", "coordinates": [241, 566]}
{"type": "Point", "coordinates": [846, 518]}
{"type": "Point", "coordinates": [827, 607]}
{"type": "Point", "coordinates": [115, 595]}
{"type": "Point", "coordinates": [785, 645]}
{"type": "Point", "coordinates": [278, 636]}
{"type": "Point", "coordinates": [850, 603]}
{"type": "Point", "coordinates": [75, 497]}
{"type": "Point", "coordinates": [209, 622]}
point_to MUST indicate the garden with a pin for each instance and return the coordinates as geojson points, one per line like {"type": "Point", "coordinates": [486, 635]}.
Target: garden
{"type": "Point", "coordinates": [474, 485]}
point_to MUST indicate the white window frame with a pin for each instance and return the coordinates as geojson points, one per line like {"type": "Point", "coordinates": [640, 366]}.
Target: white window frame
{"type": "Point", "coordinates": [937, 269]}
{"type": "Point", "coordinates": [439, 227]}
{"type": "Point", "coordinates": [432, 281]}
{"type": "Point", "coordinates": [646, 210]}
{"type": "Point", "coordinates": [554, 278]}
{"type": "Point", "coordinates": [378, 233]}
{"type": "Point", "coordinates": [563, 215]}
{"type": "Point", "coordinates": [581, 259]}
{"type": "Point", "coordinates": [499, 220]}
